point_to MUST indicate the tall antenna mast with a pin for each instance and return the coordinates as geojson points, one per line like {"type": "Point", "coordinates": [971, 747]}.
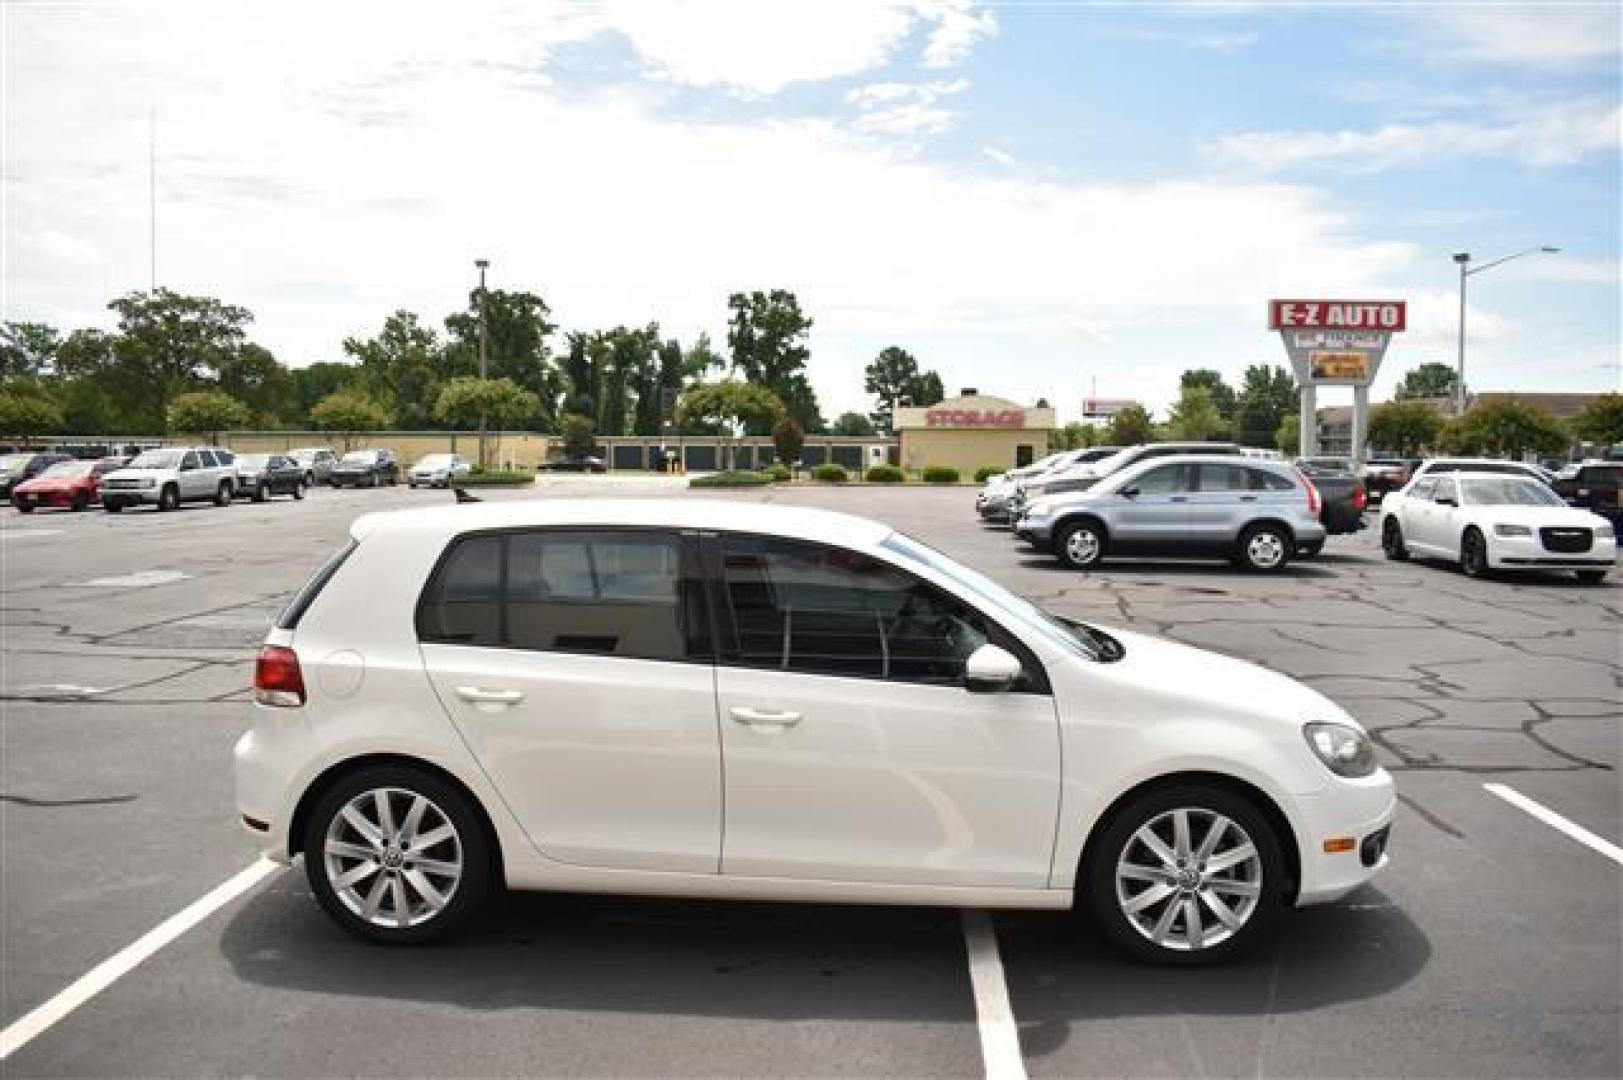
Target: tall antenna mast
{"type": "Point", "coordinates": [152, 199]}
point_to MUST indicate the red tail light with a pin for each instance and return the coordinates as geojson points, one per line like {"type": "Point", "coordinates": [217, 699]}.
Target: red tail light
{"type": "Point", "coordinates": [277, 678]}
{"type": "Point", "coordinates": [1315, 504]}
{"type": "Point", "coordinates": [1360, 498]}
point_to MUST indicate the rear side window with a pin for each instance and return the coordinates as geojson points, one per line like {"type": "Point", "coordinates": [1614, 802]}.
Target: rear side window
{"type": "Point", "coordinates": [1267, 480]}
{"type": "Point", "coordinates": [290, 616]}
{"type": "Point", "coordinates": [225, 457]}
{"type": "Point", "coordinates": [1164, 480]}
{"type": "Point", "coordinates": [626, 593]}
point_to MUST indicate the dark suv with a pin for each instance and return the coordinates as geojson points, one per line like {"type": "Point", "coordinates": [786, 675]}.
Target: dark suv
{"type": "Point", "coordinates": [365, 468]}
{"type": "Point", "coordinates": [1595, 487]}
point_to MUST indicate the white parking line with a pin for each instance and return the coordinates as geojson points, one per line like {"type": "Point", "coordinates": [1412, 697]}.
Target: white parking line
{"type": "Point", "coordinates": [26, 1028]}
{"type": "Point", "coordinates": [1556, 821]}
{"type": "Point", "coordinates": [1000, 1038]}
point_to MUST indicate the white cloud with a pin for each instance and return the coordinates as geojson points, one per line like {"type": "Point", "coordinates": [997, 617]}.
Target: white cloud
{"type": "Point", "coordinates": [1535, 35]}
{"type": "Point", "coordinates": [1554, 135]}
{"type": "Point", "coordinates": [905, 109]}
{"type": "Point", "coordinates": [1002, 157]}
{"type": "Point", "coordinates": [959, 25]}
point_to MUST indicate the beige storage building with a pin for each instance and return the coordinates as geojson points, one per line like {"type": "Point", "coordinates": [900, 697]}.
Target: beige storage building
{"type": "Point", "coordinates": [972, 430]}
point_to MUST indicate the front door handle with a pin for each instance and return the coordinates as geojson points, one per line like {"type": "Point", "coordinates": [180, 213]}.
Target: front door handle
{"type": "Point", "coordinates": [763, 718]}
{"type": "Point", "coordinates": [489, 700]}
{"type": "Point", "coordinates": [1248, 498]}
{"type": "Point", "coordinates": [1178, 498]}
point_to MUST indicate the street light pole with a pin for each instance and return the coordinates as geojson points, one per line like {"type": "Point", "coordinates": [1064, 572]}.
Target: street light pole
{"type": "Point", "coordinates": [1463, 258]}
{"type": "Point", "coordinates": [483, 265]}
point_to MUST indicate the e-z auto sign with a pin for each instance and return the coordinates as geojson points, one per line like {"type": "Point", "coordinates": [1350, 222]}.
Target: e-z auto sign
{"type": "Point", "coordinates": [1390, 316]}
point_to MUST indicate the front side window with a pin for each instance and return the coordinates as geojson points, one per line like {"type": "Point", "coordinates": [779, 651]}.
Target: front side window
{"type": "Point", "coordinates": [1423, 489]}
{"type": "Point", "coordinates": [609, 593]}
{"type": "Point", "coordinates": [208, 459]}
{"type": "Point", "coordinates": [190, 460]}
{"type": "Point", "coordinates": [806, 608]}
{"type": "Point", "coordinates": [1447, 489]}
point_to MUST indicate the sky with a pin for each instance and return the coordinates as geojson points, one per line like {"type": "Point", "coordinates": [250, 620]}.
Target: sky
{"type": "Point", "coordinates": [1036, 199]}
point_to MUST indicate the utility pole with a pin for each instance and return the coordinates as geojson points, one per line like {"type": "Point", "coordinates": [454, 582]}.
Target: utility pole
{"type": "Point", "coordinates": [484, 348]}
{"type": "Point", "coordinates": [1463, 258]}
{"type": "Point", "coordinates": [152, 199]}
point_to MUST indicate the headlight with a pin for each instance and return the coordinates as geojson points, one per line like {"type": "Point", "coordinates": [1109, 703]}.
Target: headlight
{"type": "Point", "coordinates": [1345, 751]}
{"type": "Point", "coordinates": [148, 482]}
{"type": "Point", "coordinates": [1604, 532]}
{"type": "Point", "coordinates": [1512, 530]}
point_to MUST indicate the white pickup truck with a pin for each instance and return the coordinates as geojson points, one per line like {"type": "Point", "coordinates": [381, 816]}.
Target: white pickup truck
{"type": "Point", "coordinates": [171, 475]}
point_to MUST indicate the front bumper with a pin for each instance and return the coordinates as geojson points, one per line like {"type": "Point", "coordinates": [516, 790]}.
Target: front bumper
{"type": "Point", "coordinates": [1357, 809]}
{"type": "Point", "coordinates": [129, 496]}
{"type": "Point", "coordinates": [54, 499]}
{"type": "Point", "coordinates": [1528, 552]}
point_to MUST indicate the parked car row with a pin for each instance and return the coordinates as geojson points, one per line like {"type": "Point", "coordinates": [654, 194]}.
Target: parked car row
{"type": "Point", "coordinates": [166, 477]}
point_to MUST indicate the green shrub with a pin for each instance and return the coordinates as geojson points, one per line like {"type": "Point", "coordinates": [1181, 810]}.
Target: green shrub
{"type": "Point", "coordinates": [831, 474]}
{"type": "Point", "coordinates": [736, 478]}
{"type": "Point", "coordinates": [780, 474]}
{"type": "Point", "coordinates": [940, 474]}
{"type": "Point", "coordinates": [885, 474]}
{"type": "Point", "coordinates": [986, 472]}
{"type": "Point", "coordinates": [495, 478]}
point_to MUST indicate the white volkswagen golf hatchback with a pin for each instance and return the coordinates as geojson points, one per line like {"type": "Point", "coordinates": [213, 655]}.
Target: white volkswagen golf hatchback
{"type": "Point", "coordinates": [711, 699]}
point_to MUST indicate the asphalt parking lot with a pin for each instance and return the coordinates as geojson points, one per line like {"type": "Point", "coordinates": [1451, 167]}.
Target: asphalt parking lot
{"type": "Point", "coordinates": [1491, 948]}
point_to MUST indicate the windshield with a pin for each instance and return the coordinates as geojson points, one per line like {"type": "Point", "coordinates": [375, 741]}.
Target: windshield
{"type": "Point", "coordinates": [360, 457]}
{"type": "Point", "coordinates": [13, 462]}
{"type": "Point", "coordinates": [70, 468]}
{"type": "Point", "coordinates": [1073, 637]}
{"type": "Point", "coordinates": [157, 459]}
{"type": "Point", "coordinates": [434, 461]}
{"type": "Point", "coordinates": [252, 461]}
{"type": "Point", "coordinates": [1508, 492]}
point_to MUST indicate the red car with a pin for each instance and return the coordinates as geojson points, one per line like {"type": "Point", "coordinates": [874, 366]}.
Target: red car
{"type": "Point", "coordinates": [73, 485]}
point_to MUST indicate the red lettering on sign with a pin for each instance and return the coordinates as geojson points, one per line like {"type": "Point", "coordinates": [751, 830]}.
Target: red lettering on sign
{"type": "Point", "coordinates": [1007, 418]}
{"type": "Point", "coordinates": [1387, 315]}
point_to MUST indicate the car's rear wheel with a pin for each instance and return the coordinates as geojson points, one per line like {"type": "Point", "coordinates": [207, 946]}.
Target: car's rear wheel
{"type": "Point", "coordinates": [396, 855]}
{"type": "Point", "coordinates": [1392, 541]}
{"type": "Point", "coordinates": [1265, 548]}
{"type": "Point", "coordinates": [1081, 545]}
{"type": "Point", "coordinates": [222, 494]}
{"type": "Point", "coordinates": [261, 492]}
{"type": "Point", "coordinates": [168, 498]}
{"type": "Point", "coordinates": [1474, 554]}
{"type": "Point", "coordinates": [23, 506]}
{"type": "Point", "coordinates": [1186, 875]}
{"type": "Point", "coordinates": [1591, 577]}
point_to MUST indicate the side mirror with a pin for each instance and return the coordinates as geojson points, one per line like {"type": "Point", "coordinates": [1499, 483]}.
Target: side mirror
{"type": "Point", "coordinates": [990, 669]}
{"type": "Point", "coordinates": [1128, 493]}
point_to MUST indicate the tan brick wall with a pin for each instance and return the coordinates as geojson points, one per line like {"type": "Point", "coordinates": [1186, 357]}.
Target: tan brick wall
{"type": "Point", "coordinates": [968, 449]}
{"type": "Point", "coordinates": [518, 449]}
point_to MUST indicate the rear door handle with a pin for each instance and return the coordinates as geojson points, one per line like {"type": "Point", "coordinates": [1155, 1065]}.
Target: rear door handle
{"type": "Point", "coordinates": [1248, 498]}
{"type": "Point", "coordinates": [1178, 498]}
{"type": "Point", "coordinates": [763, 718]}
{"type": "Point", "coordinates": [489, 700]}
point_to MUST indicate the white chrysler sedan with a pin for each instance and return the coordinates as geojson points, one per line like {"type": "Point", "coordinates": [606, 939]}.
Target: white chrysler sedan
{"type": "Point", "coordinates": [1492, 521]}
{"type": "Point", "coordinates": [709, 699]}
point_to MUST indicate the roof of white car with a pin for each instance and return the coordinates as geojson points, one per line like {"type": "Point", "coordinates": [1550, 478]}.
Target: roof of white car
{"type": "Point", "coordinates": [449, 518]}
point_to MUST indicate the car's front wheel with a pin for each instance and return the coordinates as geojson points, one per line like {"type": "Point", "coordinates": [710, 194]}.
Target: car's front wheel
{"type": "Point", "coordinates": [168, 498]}
{"type": "Point", "coordinates": [1080, 546]}
{"type": "Point", "coordinates": [1474, 553]}
{"type": "Point", "coordinates": [1392, 541]}
{"type": "Point", "coordinates": [396, 855]}
{"type": "Point", "coordinates": [222, 494]}
{"type": "Point", "coordinates": [1591, 577]}
{"type": "Point", "coordinates": [1186, 875]}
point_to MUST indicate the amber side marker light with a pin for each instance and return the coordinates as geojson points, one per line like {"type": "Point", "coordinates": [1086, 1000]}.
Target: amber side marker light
{"type": "Point", "coordinates": [1339, 844]}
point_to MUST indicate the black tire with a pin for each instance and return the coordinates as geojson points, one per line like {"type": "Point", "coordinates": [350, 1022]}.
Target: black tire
{"type": "Point", "coordinates": [261, 493]}
{"type": "Point", "coordinates": [222, 494]}
{"type": "Point", "coordinates": [81, 503]}
{"type": "Point", "coordinates": [23, 506]}
{"type": "Point", "coordinates": [309, 479]}
{"type": "Point", "coordinates": [1265, 548]}
{"type": "Point", "coordinates": [168, 498]}
{"type": "Point", "coordinates": [467, 894]}
{"type": "Point", "coordinates": [1474, 553]}
{"type": "Point", "coordinates": [1116, 842]}
{"type": "Point", "coordinates": [1080, 545]}
{"type": "Point", "coordinates": [1392, 541]}
{"type": "Point", "coordinates": [298, 491]}
{"type": "Point", "coordinates": [1591, 577]}
{"type": "Point", "coordinates": [112, 506]}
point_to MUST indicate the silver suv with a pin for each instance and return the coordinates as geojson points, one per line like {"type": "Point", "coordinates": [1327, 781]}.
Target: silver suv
{"type": "Point", "coordinates": [171, 475]}
{"type": "Point", "coordinates": [1259, 514]}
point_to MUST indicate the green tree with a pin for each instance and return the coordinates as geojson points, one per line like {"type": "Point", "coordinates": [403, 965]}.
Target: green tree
{"type": "Point", "coordinates": [27, 350]}
{"type": "Point", "coordinates": [254, 377]}
{"type": "Point", "coordinates": [1267, 395]}
{"type": "Point", "coordinates": [1195, 415]}
{"type": "Point", "coordinates": [1404, 427]}
{"type": "Point", "coordinates": [1601, 421]}
{"type": "Point", "coordinates": [1289, 436]}
{"type": "Point", "coordinates": [894, 377]}
{"type": "Point", "coordinates": [25, 410]}
{"type": "Point", "coordinates": [852, 423]}
{"type": "Point", "coordinates": [731, 405]}
{"type": "Point", "coordinates": [206, 412]}
{"type": "Point", "coordinates": [1221, 393]}
{"type": "Point", "coordinates": [402, 366]}
{"type": "Point", "coordinates": [347, 412]}
{"type": "Point", "coordinates": [1076, 436]}
{"type": "Point", "coordinates": [1131, 427]}
{"type": "Point", "coordinates": [788, 440]}
{"type": "Point", "coordinates": [1507, 427]}
{"type": "Point", "coordinates": [85, 354]}
{"type": "Point", "coordinates": [168, 344]}
{"type": "Point", "coordinates": [578, 435]}
{"type": "Point", "coordinates": [87, 409]}
{"type": "Point", "coordinates": [1432, 380]}
{"type": "Point", "coordinates": [517, 328]}
{"type": "Point", "coordinates": [766, 336]}
{"type": "Point", "coordinates": [462, 401]}
{"type": "Point", "coordinates": [315, 381]}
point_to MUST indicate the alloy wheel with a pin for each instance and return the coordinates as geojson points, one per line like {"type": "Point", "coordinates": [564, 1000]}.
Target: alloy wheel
{"type": "Point", "coordinates": [393, 857]}
{"type": "Point", "coordinates": [1189, 879]}
{"type": "Point", "coordinates": [1265, 549]}
{"type": "Point", "coordinates": [1082, 546]}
